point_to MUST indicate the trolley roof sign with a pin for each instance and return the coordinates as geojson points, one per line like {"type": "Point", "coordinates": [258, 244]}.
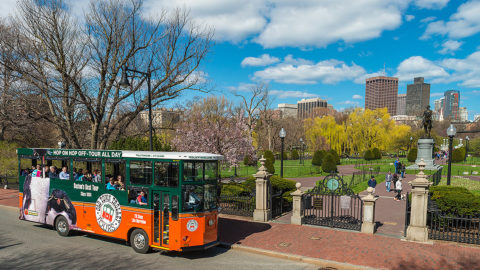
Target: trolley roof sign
{"type": "Point", "coordinates": [116, 154]}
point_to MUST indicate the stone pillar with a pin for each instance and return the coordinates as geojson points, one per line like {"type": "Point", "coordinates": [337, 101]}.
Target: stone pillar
{"type": "Point", "coordinates": [417, 230]}
{"type": "Point", "coordinates": [297, 213]}
{"type": "Point", "coordinates": [263, 211]}
{"type": "Point", "coordinates": [368, 224]}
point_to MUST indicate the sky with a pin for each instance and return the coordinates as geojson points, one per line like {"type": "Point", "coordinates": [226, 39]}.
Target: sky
{"type": "Point", "coordinates": [326, 48]}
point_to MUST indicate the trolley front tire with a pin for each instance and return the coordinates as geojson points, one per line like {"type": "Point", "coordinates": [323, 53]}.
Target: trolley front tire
{"type": "Point", "coordinates": [139, 241]}
{"type": "Point", "coordinates": [61, 226]}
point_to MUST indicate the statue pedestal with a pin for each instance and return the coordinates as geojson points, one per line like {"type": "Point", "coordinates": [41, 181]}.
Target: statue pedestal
{"type": "Point", "coordinates": [425, 150]}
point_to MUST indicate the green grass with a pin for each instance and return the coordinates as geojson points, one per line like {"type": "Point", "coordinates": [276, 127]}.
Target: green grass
{"type": "Point", "coordinates": [291, 169]}
{"type": "Point", "coordinates": [471, 185]}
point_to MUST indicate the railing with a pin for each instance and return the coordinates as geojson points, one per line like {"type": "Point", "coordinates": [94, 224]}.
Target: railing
{"type": "Point", "coordinates": [408, 210]}
{"type": "Point", "coordinates": [452, 227]}
{"type": "Point", "coordinates": [362, 176]}
{"type": "Point", "coordinates": [237, 205]}
{"type": "Point", "coordinates": [436, 177]}
{"type": "Point", "coordinates": [280, 204]}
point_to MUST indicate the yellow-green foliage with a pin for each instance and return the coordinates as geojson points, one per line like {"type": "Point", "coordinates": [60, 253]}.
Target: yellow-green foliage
{"type": "Point", "coordinates": [8, 158]}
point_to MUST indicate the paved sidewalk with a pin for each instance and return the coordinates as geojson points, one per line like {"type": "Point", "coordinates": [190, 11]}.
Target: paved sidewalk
{"type": "Point", "coordinates": [347, 247]}
{"type": "Point", "coordinates": [9, 197]}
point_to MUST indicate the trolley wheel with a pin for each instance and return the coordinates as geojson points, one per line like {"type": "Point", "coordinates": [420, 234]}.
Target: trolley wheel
{"type": "Point", "coordinates": [139, 241]}
{"type": "Point", "coordinates": [62, 227]}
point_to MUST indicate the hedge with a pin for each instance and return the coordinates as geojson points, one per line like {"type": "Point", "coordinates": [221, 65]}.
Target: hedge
{"type": "Point", "coordinates": [376, 153]}
{"type": "Point", "coordinates": [329, 163]}
{"type": "Point", "coordinates": [318, 157]}
{"type": "Point", "coordinates": [335, 156]}
{"type": "Point", "coordinates": [412, 155]}
{"type": "Point", "coordinates": [369, 155]}
{"type": "Point", "coordinates": [458, 154]}
{"type": "Point", "coordinates": [455, 200]}
{"type": "Point", "coordinates": [294, 154]}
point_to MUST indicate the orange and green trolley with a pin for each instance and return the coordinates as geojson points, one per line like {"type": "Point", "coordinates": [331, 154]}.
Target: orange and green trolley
{"type": "Point", "coordinates": [161, 200]}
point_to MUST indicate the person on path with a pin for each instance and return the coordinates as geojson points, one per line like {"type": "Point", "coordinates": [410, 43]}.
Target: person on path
{"type": "Point", "coordinates": [398, 188]}
{"type": "Point", "coordinates": [403, 170]}
{"type": "Point", "coordinates": [396, 165]}
{"type": "Point", "coordinates": [395, 179]}
{"type": "Point", "coordinates": [388, 180]}
{"type": "Point", "coordinates": [372, 183]}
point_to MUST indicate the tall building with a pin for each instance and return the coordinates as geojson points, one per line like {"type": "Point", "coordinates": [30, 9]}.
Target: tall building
{"type": "Point", "coordinates": [451, 105]}
{"type": "Point", "coordinates": [163, 118]}
{"type": "Point", "coordinates": [418, 97]}
{"type": "Point", "coordinates": [288, 110]}
{"type": "Point", "coordinates": [306, 107]}
{"type": "Point", "coordinates": [381, 92]}
{"type": "Point", "coordinates": [476, 118]}
{"type": "Point", "coordinates": [401, 104]}
{"type": "Point", "coordinates": [463, 114]}
{"type": "Point", "coordinates": [438, 109]}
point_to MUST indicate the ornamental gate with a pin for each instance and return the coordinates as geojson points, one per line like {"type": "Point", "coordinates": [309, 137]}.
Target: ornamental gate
{"type": "Point", "coordinates": [332, 203]}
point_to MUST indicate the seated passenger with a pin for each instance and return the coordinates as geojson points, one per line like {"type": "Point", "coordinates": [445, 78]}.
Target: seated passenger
{"type": "Point", "coordinates": [64, 174]}
{"type": "Point", "coordinates": [97, 176]}
{"type": "Point", "coordinates": [120, 183]}
{"type": "Point", "coordinates": [79, 175]}
{"type": "Point", "coordinates": [53, 172]}
{"type": "Point", "coordinates": [141, 199]}
{"type": "Point", "coordinates": [111, 184]}
{"type": "Point", "coordinates": [24, 172]}
{"type": "Point", "coordinates": [37, 172]}
{"type": "Point", "coordinates": [87, 176]}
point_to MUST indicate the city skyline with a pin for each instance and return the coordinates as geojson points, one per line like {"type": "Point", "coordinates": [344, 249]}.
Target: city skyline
{"type": "Point", "coordinates": [327, 49]}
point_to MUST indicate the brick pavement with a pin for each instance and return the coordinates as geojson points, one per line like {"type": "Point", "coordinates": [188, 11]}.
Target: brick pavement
{"type": "Point", "coordinates": [348, 247]}
{"type": "Point", "coordinates": [9, 197]}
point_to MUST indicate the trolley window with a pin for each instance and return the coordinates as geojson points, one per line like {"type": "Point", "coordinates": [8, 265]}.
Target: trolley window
{"type": "Point", "coordinates": [140, 172]}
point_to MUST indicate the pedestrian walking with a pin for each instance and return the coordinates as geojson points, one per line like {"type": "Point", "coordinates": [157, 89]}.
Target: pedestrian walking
{"type": "Point", "coordinates": [372, 183]}
{"type": "Point", "coordinates": [388, 180]}
{"type": "Point", "coordinates": [394, 179]}
{"type": "Point", "coordinates": [398, 188]}
{"type": "Point", "coordinates": [403, 170]}
{"type": "Point", "coordinates": [395, 164]}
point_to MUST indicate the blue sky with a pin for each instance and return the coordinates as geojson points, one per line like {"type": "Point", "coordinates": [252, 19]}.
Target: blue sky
{"type": "Point", "coordinates": [326, 48]}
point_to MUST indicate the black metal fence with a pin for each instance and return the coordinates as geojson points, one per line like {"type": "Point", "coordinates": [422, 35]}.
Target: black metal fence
{"type": "Point", "coordinates": [237, 205]}
{"type": "Point", "coordinates": [280, 204]}
{"type": "Point", "coordinates": [362, 176]}
{"type": "Point", "coordinates": [408, 211]}
{"type": "Point", "coordinates": [436, 177]}
{"type": "Point", "coordinates": [452, 227]}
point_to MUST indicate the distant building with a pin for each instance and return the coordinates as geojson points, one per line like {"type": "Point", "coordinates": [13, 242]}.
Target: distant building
{"type": "Point", "coordinates": [163, 118]}
{"type": "Point", "coordinates": [404, 119]}
{"type": "Point", "coordinates": [438, 109]}
{"type": "Point", "coordinates": [418, 97]}
{"type": "Point", "coordinates": [401, 104]}
{"type": "Point", "coordinates": [451, 105]}
{"type": "Point", "coordinates": [288, 110]}
{"type": "Point", "coordinates": [307, 107]}
{"type": "Point", "coordinates": [463, 114]}
{"type": "Point", "coordinates": [381, 92]}
{"type": "Point", "coordinates": [476, 118]}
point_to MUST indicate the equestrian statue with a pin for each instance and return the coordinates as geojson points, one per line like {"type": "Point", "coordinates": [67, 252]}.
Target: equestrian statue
{"type": "Point", "coordinates": [427, 121]}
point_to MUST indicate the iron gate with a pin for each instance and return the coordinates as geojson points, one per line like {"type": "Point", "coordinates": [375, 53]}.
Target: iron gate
{"type": "Point", "coordinates": [332, 203]}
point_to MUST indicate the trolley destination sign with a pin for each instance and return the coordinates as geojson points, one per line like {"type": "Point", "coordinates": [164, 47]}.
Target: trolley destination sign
{"type": "Point", "coordinates": [71, 153]}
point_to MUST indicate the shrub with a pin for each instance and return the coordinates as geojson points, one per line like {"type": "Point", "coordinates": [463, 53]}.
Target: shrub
{"type": "Point", "coordinates": [412, 155]}
{"type": "Point", "coordinates": [335, 155]}
{"type": "Point", "coordinates": [458, 154]}
{"type": "Point", "coordinates": [455, 200]}
{"type": "Point", "coordinates": [318, 157]}
{"type": "Point", "coordinates": [329, 163]}
{"type": "Point", "coordinates": [246, 160]}
{"type": "Point", "coordinates": [368, 155]}
{"type": "Point", "coordinates": [268, 155]}
{"type": "Point", "coordinates": [376, 153]}
{"type": "Point", "coordinates": [270, 167]}
{"type": "Point", "coordinates": [294, 154]}
{"type": "Point", "coordinates": [234, 189]}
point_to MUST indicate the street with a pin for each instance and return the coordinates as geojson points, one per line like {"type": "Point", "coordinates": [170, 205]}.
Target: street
{"type": "Point", "coordinates": [25, 245]}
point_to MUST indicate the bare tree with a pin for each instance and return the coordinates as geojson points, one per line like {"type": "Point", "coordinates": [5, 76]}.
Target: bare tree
{"type": "Point", "coordinates": [252, 103]}
{"type": "Point", "coordinates": [75, 68]}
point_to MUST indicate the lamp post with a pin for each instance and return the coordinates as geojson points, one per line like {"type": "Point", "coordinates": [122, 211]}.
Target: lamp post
{"type": "Point", "coordinates": [451, 131]}
{"type": "Point", "coordinates": [410, 144]}
{"type": "Point", "coordinates": [467, 139]}
{"type": "Point", "coordinates": [125, 83]}
{"type": "Point", "coordinates": [303, 152]}
{"type": "Point", "coordinates": [282, 135]}
{"type": "Point", "coordinates": [301, 147]}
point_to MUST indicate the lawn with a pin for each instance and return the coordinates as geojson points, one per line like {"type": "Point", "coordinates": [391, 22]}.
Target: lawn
{"type": "Point", "coordinates": [472, 185]}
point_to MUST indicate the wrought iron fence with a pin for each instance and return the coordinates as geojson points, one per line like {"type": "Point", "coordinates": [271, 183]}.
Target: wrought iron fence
{"type": "Point", "coordinates": [280, 204]}
{"type": "Point", "coordinates": [237, 205]}
{"type": "Point", "coordinates": [436, 177]}
{"type": "Point", "coordinates": [9, 181]}
{"type": "Point", "coordinates": [362, 176]}
{"type": "Point", "coordinates": [452, 227]}
{"type": "Point", "coordinates": [408, 210]}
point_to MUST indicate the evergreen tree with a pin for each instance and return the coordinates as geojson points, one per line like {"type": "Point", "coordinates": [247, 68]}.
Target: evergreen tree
{"type": "Point", "coordinates": [294, 154]}
{"type": "Point", "coordinates": [318, 157]}
{"type": "Point", "coordinates": [412, 155]}
{"type": "Point", "coordinates": [329, 163]}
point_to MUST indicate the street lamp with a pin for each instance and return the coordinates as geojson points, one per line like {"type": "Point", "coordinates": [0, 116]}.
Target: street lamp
{"type": "Point", "coordinates": [282, 135]}
{"type": "Point", "coordinates": [451, 131]}
{"type": "Point", "coordinates": [410, 144]}
{"type": "Point", "coordinates": [301, 147]}
{"type": "Point", "coordinates": [467, 139]}
{"type": "Point", "coordinates": [125, 83]}
{"type": "Point", "coordinates": [303, 152]}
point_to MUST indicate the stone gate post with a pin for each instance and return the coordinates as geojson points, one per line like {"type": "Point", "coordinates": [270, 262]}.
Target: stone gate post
{"type": "Point", "coordinates": [417, 230]}
{"type": "Point", "coordinates": [368, 224]}
{"type": "Point", "coordinates": [297, 213]}
{"type": "Point", "coordinates": [263, 210]}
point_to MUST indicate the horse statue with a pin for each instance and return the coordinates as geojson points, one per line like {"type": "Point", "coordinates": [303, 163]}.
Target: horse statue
{"type": "Point", "coordinates": [427, 121]}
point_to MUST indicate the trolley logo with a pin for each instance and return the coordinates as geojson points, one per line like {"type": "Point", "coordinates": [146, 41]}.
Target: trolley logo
{"type": "Point", "coordinates": [108, 212]}
{"type": "Point", "coordinates": [30, 212]}
{"type": "Point", "coordinates": [192, 225]}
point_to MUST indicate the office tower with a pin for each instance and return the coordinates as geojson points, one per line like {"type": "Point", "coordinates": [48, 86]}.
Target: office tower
{"type": "Point", "coordinates": [401, 104]}
{"type": "Point", "coordinates": [438, 109]}
{"type": "Point", "coordinates": [418, 97]}
{"type": "Point", "coordinates": [381, 92]}
{"type": "Point", "coordinates": [451, 105]}
{"type": "Point", "coordinates": [307, 107]}
{"type": "Point", "coordinates": [287, 110]}
{"type": "Point", "coordinates": [463, 114]}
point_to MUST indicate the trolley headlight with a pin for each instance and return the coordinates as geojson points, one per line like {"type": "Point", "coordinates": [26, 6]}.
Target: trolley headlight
{"type": "Point", "coordinates": [211, 222]}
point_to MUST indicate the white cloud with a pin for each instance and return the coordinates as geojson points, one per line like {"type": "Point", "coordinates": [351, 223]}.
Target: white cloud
{"type": "Point", "coordinates": [263, 60]}
{"type": "Point", "coordinates": [466, 71]}
{"type": "Point", "coordinates": [409, 17]}
{"type": "Point", "coordinates": [417, 66]}
{"type": "Point", "coordinates": [291, 94]}
{"type": "Point", "coordinates": [450, 46]}
{"type": "Point", "coordinates": [327, 71]}
{"type": "Point", "coordinates": [8, 7]}
{"type": "Point", "coordinates": [319, 23]}
{"type": "Point", "coordinates": [357, 97]}
{"type": "Point", "coordinates": [431, 4]}
{"type": "Point", "coordinates": [428, 19]}
{"type": "Point", "coordinates": [464, 23]}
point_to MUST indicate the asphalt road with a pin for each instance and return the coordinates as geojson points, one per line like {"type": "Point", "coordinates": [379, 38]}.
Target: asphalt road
{"type": "Point", "coordinates": [26, 245]}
